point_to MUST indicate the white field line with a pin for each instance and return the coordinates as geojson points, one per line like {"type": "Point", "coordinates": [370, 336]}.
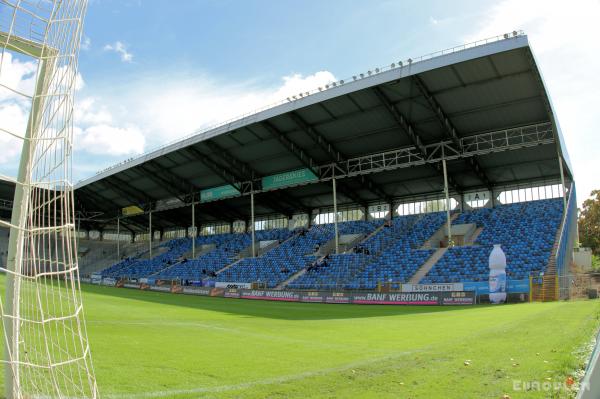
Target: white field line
{"type": "Point", "coordinates": [312, 373]}
{"type": "Point", "coordinates": [237, 331]}
{"type": "Point", "coordinates": [266, 381]}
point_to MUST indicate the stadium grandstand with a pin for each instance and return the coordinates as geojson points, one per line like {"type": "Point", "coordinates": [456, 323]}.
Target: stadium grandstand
{"type": "Point", "coordinates": [404, 174]}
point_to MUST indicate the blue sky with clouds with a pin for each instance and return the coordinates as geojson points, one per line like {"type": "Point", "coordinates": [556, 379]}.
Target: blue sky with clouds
{"type": "Point", "coordinates": [154, 71]}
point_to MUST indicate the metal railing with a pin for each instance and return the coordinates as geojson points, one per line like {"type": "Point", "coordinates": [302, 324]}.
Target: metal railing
{"type": "Point", "coordinates": [508, 138]}
{"type": "Point", "coordinates": [394, 65]}
{"type": "Point", "coordinates": [566, 236]}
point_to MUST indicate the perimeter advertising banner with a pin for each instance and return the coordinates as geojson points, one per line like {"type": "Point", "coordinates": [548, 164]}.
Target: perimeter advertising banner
{"type": "Point", "coordinates": [229, 292]}
{"type": "Point", "coordinates": [364, 298]}
{"type": "Point", "coordinates": [432, 287]}
{"type": "Point", "coordinates": [289, 296]}
{"type": "Point", "coordinates": [111, 282]}
{"type": "Point", "coordinates": [161, 288]}
{"type": "Point", "coordinates": [219, 284]}
{"type": "Point", "coordinates": [96, 278]}
{"type": "Point", "coordinates": [401, 298]}
{"type": "Point", "coordinates": [338, 297]}
{"type": "Point", "coordinates": [197, 290]}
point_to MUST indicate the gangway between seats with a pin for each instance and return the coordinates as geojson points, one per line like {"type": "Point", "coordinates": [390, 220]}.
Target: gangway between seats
{"type": "Point", "coordinates": [346, 242]}
{"type": "Point", "coordinates": [200, 250]}
{"type": "Point", "coordinates": [291, 279]}
{"type": "Point", "coordinates": [426, 267]}
{"type": "Point", "coordinates": [262, 248]}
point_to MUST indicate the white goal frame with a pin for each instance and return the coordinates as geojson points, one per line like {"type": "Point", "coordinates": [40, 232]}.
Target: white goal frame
{"type": "Point", "coordinates": [47, 353]}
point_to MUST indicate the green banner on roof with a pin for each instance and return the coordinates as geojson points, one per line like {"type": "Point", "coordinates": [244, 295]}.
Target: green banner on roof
{"type": "Point", "coordinates": [216, 193]}
{"type": "Point", "coordinates": [294, 177]}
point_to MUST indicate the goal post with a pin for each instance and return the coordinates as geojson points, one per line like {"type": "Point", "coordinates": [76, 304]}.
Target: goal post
{"type": "Point", "coordinates": [45, 340]}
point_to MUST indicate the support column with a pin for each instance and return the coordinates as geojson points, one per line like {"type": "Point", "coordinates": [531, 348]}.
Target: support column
{"type": "Point", "coordinates": [335, 217]}
{"type": "Point", "coordinates": [193, 229]}
{"type": "Point", "coordinates": [118, 239]}
{"type": "Point", "coordinates": [252, 221]}
{"type": "Point", "coordinates": [150, 235]}
{"type": "Point", "coordinates": [448, 222]}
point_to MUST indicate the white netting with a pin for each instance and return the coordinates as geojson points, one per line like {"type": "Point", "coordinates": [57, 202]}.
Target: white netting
{"type": "Point", "coordinates": [46, 348]}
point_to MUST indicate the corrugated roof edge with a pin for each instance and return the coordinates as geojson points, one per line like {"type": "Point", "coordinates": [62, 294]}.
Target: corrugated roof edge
{"type": "Point", "coordinates": [466, 52]}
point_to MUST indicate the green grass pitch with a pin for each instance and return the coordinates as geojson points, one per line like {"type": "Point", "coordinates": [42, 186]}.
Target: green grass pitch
{"type": "Point", "coordinates": [156, 345]}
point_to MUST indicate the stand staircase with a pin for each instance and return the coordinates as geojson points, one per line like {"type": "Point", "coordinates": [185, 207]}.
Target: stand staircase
{"type": "Point", "coordinates": [426, 267]}
{"type": "Point", "coordinates": [547, 289]}
{"type": "Point", "coordinates": [432, 242]}
{"type": "Point", "coordinates": [290, 279]}
{"type": "Point", "coordinates": [229, 265]}
{"type": "Point", "coordinates": [375, 256]}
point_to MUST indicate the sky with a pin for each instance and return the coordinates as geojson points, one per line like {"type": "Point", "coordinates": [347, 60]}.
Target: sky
{"type": "Point", "coordinates": [154, 71]}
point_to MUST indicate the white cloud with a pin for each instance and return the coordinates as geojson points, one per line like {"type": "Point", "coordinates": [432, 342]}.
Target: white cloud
{"type": "Point", "coordinates": [121, 49]}
{"type": "Point", "coordinates": [168, 112]}
{"type": "Point", "coordinates": [152, 111]}
{"type": "Point", "coordinates": [105, 139]}
{"type": "Point", "coordinates": [564, 38]}
{"type": "Point", "coordinates": [97, 132]}
{"type": "Point", "coordinates": [87, 112]}
{"type": "Point", "coordinates": [13, 118]}
{"type": "Point", "coordinates": [18, 79]}
{"type": "Point", "coordinates": [296, 83]}
{"type": "Point", "coordinates": [86, 43]}
{"type": "Point", "coordinates": [18, 75]}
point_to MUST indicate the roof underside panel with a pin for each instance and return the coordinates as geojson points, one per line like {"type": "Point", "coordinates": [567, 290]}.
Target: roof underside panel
{"type": "Point", "coordinates": [484, 90]}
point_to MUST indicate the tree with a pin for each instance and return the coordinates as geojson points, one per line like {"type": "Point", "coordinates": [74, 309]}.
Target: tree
{"type": "Point", "coordinates": [589, 223]}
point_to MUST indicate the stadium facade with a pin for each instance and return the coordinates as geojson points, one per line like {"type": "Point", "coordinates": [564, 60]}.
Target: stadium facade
{"type": "Point", "coordinates": [375, 176]}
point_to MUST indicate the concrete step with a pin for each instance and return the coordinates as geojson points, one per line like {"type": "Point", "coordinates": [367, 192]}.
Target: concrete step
{"type": "Point", "coordinates": [166, 268]}
{"type": "Point", "coordinates": [374, 232]}
{"type": "Point", "coordinates": [200, 250]}
{"type": "Point", "coordinates": [156, 251]}
{"type": "Point", "coordinates": [430, 244]}
{"type": "Point", "coordinates": [475, 235]}
{"type": "Point", "coordinates": [426, 267]}
{"type": "Point", "coordinates": [290, 279]}
{"type": "Point", "coordinates": [229, 265]}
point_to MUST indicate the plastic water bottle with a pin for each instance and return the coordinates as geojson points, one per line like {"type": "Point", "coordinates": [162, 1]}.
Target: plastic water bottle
{"type": "Point", "coordinates": [497, 275]}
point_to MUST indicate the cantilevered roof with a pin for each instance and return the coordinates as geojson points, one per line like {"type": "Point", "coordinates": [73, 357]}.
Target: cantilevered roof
{"type": "Point", "coordinates": [381, 133]}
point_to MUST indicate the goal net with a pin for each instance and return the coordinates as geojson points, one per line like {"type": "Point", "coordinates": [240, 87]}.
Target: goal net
{"type": "Point", "coordinates": [45, 340]}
